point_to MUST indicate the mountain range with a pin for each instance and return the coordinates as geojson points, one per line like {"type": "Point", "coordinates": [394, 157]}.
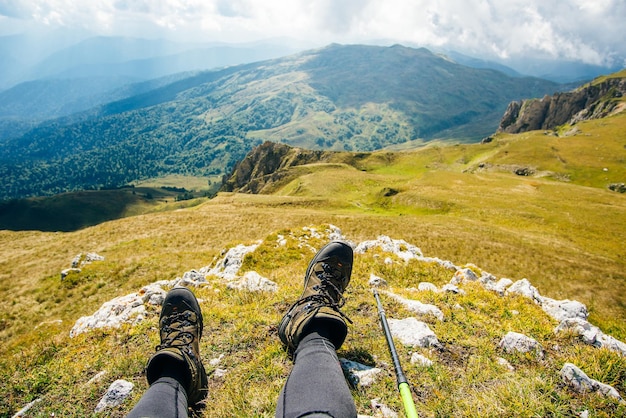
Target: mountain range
{"type": "Point", "coordinates": [341, 97]}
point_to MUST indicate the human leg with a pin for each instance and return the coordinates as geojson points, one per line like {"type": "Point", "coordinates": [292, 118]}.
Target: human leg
{"type": "Point", "coordinates": [166, 397]}
{"type": "Point", "coordinates": [312, 330]}
{"type": "Point", "coordinates": [316, 385]}
{"type": "Point", "coordinates": [175, 372]}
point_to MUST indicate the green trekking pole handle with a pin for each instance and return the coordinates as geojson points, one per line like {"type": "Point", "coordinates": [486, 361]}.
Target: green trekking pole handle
{"type": "Point", "coordinates": [403, 384]}
{"type": "Point", "coordinates": [407, 400]}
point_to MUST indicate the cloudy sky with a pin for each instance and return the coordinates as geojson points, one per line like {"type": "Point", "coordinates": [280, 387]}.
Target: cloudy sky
{"type": "Point", "coordinates": [587, 30]}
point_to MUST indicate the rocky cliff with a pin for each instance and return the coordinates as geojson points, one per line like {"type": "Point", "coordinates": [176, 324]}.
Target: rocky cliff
{"type": "Point", "coordinates": [267, 165]}
{"type": "Point", "coordinates": [592, 101]}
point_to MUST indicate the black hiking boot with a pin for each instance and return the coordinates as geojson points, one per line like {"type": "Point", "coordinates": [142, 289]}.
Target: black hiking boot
{"type": "Point", "coordinates": [325, 280]}
{"type": "Point", "coordinates": [181, 329]}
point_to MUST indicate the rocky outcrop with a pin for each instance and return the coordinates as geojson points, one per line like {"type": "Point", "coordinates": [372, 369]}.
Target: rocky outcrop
{"type": "Point", "coordinates": [412, 332]}
{"type": "Point", "coordinates": [267, 165]}
{"type": "Point", "coordinates": [576, 379]}
{"type": "Point", "coordinates": [417, 306]}
{"type": "Point", "coordinates": [128, 309]}
{"type": "Point", "coordinates": [516, 342]}
{"type": "Point", "coordinates": [588, 102]}
{"type": "Point", "coordinates": [79, 262]}
{"type": "Point", "coordinates": [115, 395]}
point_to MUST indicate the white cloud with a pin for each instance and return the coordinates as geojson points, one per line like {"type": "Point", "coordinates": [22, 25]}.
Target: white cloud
{"type": "Point", "coordinates": [589, 30]}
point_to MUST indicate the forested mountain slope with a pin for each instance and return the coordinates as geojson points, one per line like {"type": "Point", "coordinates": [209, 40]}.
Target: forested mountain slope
{"type": "Point", "coordinates": [336, 98]}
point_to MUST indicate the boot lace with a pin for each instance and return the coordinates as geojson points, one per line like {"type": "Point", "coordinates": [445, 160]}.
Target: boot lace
{"type": "Point", "coordinates": [325, 291]}
{"type": "Point", "coordinates": [177, 328]}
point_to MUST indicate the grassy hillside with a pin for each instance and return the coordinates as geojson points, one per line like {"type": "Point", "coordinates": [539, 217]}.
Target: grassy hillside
{"type": "Point", "coordinates": [560, 228]}
{"type": "Point", "coordinates": [75, 210]}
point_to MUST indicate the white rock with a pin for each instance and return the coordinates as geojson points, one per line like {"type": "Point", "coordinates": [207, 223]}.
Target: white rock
{"type": "Point", "coordinates": [418, 307]}
{"type": "Point", "coordinates": [216, 361]}
{"type": "Point", "coordinates": [452, 288]}
{"type": "Point", "coordinates": [367, 378]}
{"type": "Point", "coordinates": [503, 284]}
{"type": "Point", "coordinates": [576, 379]}
{"type": "Point", "coordinates": [194, 278]}
{"type": "Point", "coordinates": [412, 332]}
{"type": "Point", "coordinates": [377, 281]}
{"type": "Point", "coordinates": [80, 260]}
{"type": "Point", "coordinates": [400, 248]}
{"type": "Point", "coordinates": [487, 278]}
{"type": "Point", "coordinates": [334, 233]}
{"type": "Point", "coordinates": [153, 294]}
{"type": "Point", "coordinates": [165, 283]}
{"type": "Point", "coordinates": [114, 313]}
{"type": "Point", "coordinates": [427, 287]}
{"type": "Point", "coordinates": [463, 275]}
{"type": "Point", "coordinates": [382, 410]}
{"type": "Point", "coordinates": [420, 360]}
{"type": "Point", "coordinates": [22, 412]}
{"type": "Point", "coordinates": [564, 309]}
{"type": "Point", "coordinates": [115, 395]}
{"type": "Point", "coordinates": [499, 287]}
{"type": "Point", "coordinates": [312, 231]}
{"type": "Point", "coordinates": [91, 257]}
{"type": "Point", "coordinates": [254, 282]}
{"type": "Point", "coordinates": [591, 334]}
{"type": "Point", "coordinates": [524, 288]}
{"type": "Point", "coordinates": [76, 260]}
{"type": "Point", "coordinates": [514, 341]}
{"type": "Point", "coordinates": [97, 377]}
{"type": "Point", "coordinates": [359, 374]}
{"type": "Point", "coordinates": [228, 267]}
{"type": "Point", "coordinates": [503, 362]}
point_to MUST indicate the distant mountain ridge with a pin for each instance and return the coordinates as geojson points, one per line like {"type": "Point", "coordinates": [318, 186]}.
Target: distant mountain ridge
{"type": "Point", "coordinates": [28, 59]}
{"type": "Point", "coordinates": [100, 70]}
{"type": "Point", "coordinates": [342, 97]}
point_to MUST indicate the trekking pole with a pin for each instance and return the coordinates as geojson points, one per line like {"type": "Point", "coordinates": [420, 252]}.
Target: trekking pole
{"type": "Point", "coordinates": [403, 384]}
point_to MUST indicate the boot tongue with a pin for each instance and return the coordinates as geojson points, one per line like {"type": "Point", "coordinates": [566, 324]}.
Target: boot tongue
{"type": "Point", "coordinates": [325, 281]}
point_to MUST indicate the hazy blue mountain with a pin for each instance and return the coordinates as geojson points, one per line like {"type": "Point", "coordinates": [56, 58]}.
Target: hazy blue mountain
{"type": "Point", "coordinates": [159, 66]}
{"type": "Point", "coordinates": [31, 103]}
{"type": "Point", "coordinates": [45, 99]}
{"type": "Point", "coordinates": [63, 78]}
{"type": "Point", "coordinates": [480, 63]}
{"type": "Point", "coordinates": [562, 71]}
{"type": "Point", "coordinates": [28, 58]}
{"type": "Point", "coordinates": [78, 60]}
{"type": "Point", "coordinates": [338, 98]}
{"type": "Point", "coordinates": [21, 52]}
